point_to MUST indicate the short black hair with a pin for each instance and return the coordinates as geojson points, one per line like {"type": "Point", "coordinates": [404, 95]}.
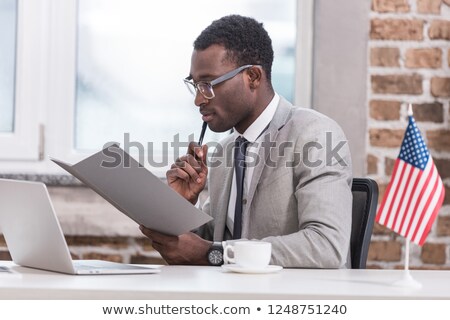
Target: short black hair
{"type": "Point", "coordinates": [245, 39]}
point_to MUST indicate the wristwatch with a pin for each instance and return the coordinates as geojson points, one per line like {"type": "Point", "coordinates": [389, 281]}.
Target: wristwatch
{"type": "Point", "coordinates": [215, 254]}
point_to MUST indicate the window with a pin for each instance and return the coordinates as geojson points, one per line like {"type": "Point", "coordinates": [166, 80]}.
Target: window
{"type": "Point", "coordinates": [8, 14]}
{"type": "Point", "coordinates": [21, 40]}
{"type": "Point", "coordinates": [133, 55]}
{"type": "Point", "coordinates": [77, 74]}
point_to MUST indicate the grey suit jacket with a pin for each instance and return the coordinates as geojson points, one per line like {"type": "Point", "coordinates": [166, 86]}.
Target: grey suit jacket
{"type": "Point", "coordinates": [299, 198]}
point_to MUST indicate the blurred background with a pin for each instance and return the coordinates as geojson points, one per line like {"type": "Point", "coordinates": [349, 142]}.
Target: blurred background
{"type": "Point", "coordinates": [77, 74]}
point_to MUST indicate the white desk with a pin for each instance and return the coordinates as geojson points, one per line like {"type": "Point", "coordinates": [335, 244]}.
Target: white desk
{"type": "Point", "coordinates": [191, 282]}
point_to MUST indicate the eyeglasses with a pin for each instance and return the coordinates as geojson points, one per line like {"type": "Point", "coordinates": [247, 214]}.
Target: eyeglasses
{"type": "Point", "coordinates": [206, 87]}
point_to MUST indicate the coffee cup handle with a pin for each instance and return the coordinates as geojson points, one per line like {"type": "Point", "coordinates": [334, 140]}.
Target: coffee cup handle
{"type": "Point", "coordinates": [226, 257]}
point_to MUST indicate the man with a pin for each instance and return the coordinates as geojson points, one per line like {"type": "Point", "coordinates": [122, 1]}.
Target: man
{"type": "Point", "coordinates": [297, 178]}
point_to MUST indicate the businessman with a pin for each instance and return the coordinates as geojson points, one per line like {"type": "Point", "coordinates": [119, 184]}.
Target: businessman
{"type": "Point", "coordinates": [283, 175]}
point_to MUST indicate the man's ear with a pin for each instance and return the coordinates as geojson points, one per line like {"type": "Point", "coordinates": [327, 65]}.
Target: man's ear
{"type": "Point", "coordinates": [254, 77]}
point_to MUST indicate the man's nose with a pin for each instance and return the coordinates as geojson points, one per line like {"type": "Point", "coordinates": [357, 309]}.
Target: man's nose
{"type": "Point", "coordinates": [200, 99]}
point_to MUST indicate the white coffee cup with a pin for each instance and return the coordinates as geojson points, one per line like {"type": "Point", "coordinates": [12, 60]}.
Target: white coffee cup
{"type": "Point", "coordinates": [249, 254]}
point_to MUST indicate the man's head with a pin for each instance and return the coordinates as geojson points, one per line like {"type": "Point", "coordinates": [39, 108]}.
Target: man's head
{"type": "Point", "coordinates": [244, 38]}
{"type": "Point", "coordinates": [231, 68]}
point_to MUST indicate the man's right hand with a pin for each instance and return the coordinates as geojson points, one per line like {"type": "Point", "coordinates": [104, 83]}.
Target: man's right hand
{"type": "Point", "coordinates": [188, 174]}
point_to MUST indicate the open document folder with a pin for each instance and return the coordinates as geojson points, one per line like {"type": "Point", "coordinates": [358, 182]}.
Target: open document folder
{"type": "Point", "coordinates": [136, 192]}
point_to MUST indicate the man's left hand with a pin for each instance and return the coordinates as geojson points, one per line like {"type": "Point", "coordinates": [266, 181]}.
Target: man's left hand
{"type": "Point", "coordinates": [187, 248]}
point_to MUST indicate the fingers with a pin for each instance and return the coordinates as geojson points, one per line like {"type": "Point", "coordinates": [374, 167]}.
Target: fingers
{"type": "Point", "coordinates": [199, 153]}
{"type": "Point", "coordinates": [157, 237]}
{"type": "Point", "coordinates": [162, 243]}
{"type": "Point", "coordinates": [187, 248]}
{"type": "Point", "coordinates": [186, 168]}
{"type": "Point", "coordinates": [190, 166]}
{"type": "Point", "coordinates": [196, 150]}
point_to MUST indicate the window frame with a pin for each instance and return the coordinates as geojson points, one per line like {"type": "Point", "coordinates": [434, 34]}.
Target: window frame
{"type": "Point", "coordinates": [24, 142]}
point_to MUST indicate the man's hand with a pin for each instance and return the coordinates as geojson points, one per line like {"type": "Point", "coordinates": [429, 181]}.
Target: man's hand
{"type": "Point", "coordinates": [187, 248]}
{"type": "Point", "coordinates": [187, 175]}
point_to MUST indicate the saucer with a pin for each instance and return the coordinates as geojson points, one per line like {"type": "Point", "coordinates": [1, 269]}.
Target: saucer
{"type": "Point", "coordinates": [239, 269]}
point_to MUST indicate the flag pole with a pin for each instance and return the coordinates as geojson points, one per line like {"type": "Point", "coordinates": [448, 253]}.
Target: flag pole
{"type": "Point", "coordinates": [407, 280]}
{"type": "Point", "coordinates": [407, 256]}
{"type": "Point", "coordinates": [410, 112]}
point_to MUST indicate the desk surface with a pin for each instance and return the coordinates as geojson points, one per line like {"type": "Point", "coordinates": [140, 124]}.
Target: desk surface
{"type": "Point", "coordinates": [192, 282]}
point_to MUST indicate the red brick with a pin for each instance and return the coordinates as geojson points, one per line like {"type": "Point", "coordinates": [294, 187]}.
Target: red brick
{"type": "Point", "coordinates": [439, 140]}
{"type": "Point", "coordinates": [385, 57]}
{"type": "Point", "coordinates": [443, 226]}
{"type": "Point", "coordinates": [447, 195]}
{"type": "Point", "coordinates": [390, 6]}
{"type": "Point", "coordinates": [145, 244]}
{"type": "Point", "coordinates": [424, 58]}
{"type": "Point", "coordinates": [433, 253]}
{"type": "Point", "coordinates": [431, 112]}
{"type": "Point", "coordinates": [397, 84]}
{"type": "Point", "coordinates": [429, 6]}
{"type": "Point", "coordinates": [385, 251]}
{"type": "Point", "coordinates": [381, 190]}
{"type": "Point", "coordinates": [372, 162]}
{"type": "Point", "coordinates": [384, 110]}
{"type": "Point", "coordinates": [75, 256]}
{"type": "Point", "coordinates": [140, 259]}
{"type": "Point", "coordinates": [378, 229]}
{"type": "Point", "coordinates": [373, 266]}
{"type": "Point", "coordinates": [396, 29]}
{"type": "Point", "coordinates": [440, 87]}
{"type": "Point", "coordinates": [439, 29]}
{"type": "Point", "coordinates": [389, 138]}
{"type": "Point", "coordinates": [389, 166]}
{"type": "Point", "coordinates": [5, 255]}
{"type": "Point", "coordinates": [112, 242]}
{"type": "Point", "coordinates": [102, 256]}
{"type": "Point", "coordinates": [443, 167]}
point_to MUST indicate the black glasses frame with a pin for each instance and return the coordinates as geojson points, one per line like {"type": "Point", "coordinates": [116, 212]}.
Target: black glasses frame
{"type": "Point", "coordinates": [206, 87]}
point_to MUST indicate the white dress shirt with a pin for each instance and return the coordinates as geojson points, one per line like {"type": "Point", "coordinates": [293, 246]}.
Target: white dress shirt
{"type": "Point", "coordinates": [254, 137]}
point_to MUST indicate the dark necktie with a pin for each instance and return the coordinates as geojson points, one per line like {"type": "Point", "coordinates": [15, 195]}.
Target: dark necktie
{"type": "Point", "coordinates": [240, 147]}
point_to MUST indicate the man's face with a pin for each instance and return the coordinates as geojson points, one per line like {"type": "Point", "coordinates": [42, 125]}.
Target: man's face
{"type": "Point", "coordinates": [232, 105]}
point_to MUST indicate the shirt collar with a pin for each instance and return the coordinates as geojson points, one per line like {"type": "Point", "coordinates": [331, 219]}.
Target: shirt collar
{"type": "Point", "coordinates": [256, 128]}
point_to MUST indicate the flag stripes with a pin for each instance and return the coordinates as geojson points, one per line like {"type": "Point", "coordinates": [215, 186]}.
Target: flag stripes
{"type": "Point", "coordinates": [416, 192]}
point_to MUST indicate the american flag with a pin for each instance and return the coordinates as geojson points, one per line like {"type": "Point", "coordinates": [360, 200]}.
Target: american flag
{"type": "Point", "coordinates": [415, 193]}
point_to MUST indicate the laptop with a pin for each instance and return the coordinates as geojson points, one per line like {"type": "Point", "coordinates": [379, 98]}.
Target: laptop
{"type": "Point", "coordinates": [34, 236]}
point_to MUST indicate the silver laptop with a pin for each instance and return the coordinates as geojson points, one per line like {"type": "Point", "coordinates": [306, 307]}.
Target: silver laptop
{"type": "Point", "coordinates": [35, 238]}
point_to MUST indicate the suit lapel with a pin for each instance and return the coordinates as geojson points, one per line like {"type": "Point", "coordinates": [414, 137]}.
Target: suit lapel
{"type": "Point", "coordinates": [279, 119]}
{"type": "Point", "coordinates": [222, 183]}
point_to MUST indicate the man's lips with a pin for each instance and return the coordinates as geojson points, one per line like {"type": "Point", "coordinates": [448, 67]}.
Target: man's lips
{"type": "Point", "coordinates": [207, 116]}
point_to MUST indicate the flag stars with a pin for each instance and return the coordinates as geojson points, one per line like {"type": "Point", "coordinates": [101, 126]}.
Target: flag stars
{"type": "Point", "coordinates": [413, 149]}
{"type": "Point", "coordinates": [415, 155]}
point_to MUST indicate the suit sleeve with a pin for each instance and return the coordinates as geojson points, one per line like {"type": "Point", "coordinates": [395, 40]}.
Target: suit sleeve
{"type": "Point", "coordinates": [322, 189]}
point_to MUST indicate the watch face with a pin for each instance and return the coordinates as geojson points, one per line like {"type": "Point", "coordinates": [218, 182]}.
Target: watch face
{"type": "Point", "coordinates": [215, 257]}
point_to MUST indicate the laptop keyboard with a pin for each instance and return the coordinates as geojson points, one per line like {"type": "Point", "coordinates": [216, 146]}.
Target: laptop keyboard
{"type": "Point", "coordinates": [102, 265]}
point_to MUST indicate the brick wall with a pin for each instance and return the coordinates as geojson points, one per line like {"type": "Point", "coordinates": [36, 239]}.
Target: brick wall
{"type": "Point", "coordinates": [409, 62]}
{"type": "Point", "coordinates": [115, 248]}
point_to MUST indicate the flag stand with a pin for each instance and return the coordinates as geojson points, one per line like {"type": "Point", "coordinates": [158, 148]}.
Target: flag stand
{"type": "Point", "coordinates": [407, 280]}
{"type": "Point", "coordinates": [413, 196]}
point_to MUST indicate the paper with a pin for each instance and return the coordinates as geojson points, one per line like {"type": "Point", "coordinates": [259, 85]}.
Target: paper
{"type": "Point", "coordinates": [136, 192]}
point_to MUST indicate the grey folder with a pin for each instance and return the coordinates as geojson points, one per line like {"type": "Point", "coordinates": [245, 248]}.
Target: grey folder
{"type": "Point", "coordinates": [135, 191]}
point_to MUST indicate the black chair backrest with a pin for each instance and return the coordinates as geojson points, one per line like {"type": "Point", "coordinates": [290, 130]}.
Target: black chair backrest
{"type": "Point", "coordinates": [365, 199]}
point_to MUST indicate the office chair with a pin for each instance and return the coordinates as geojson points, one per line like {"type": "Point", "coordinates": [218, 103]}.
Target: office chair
{"type": "Point", "coordinates": [365, 199]}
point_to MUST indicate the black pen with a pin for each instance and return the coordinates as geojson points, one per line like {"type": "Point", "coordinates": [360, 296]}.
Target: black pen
{"type": "Point", "coordinates": [202, 134]}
